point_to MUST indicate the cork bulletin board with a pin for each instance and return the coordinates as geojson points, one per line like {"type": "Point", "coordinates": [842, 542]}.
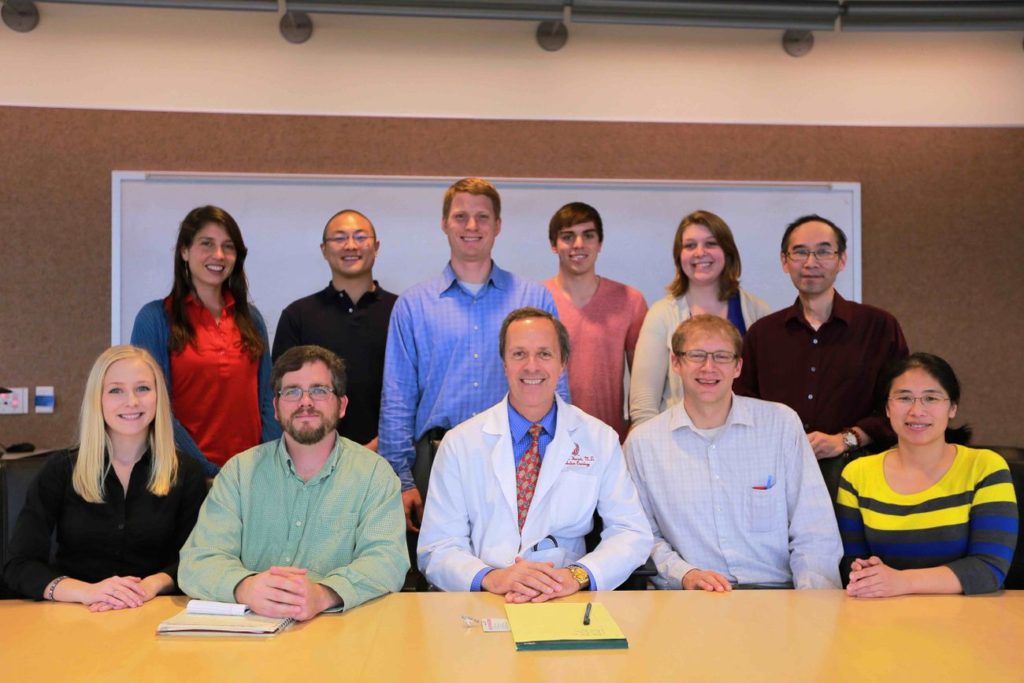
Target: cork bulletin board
{"type": "Point", "coordinates": [942, 215]}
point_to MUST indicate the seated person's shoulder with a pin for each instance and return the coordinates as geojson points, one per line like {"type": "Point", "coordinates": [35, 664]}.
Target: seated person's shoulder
{"type": "Point", "coordinates": [363, 457]}
{"type": "Point", "coordinates": [865, 471]}
{"type": "Point", "coordinates": [59, 464]}
{"type": "Point", "coordinates": [654, 428]}
{"type": "Point", "coordinates": [772, 409]}
{"type": "Point", "coordinates": [983, 461]}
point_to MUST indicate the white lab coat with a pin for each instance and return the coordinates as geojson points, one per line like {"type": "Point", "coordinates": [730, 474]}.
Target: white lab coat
{"type": "Point", "coordinates": [470, 520]}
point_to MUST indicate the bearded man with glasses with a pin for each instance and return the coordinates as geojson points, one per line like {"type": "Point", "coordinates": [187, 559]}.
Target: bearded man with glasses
{"type": "Point", "coordinates": [729, 483]}
{"type": "Point", "coordinates": [823, 355]}
{"type": "Point", "coordinates": [309, 523]}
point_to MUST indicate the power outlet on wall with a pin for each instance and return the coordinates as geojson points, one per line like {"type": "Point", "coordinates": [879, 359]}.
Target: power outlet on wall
{"type": "Point", "coordinates": [14, 403]}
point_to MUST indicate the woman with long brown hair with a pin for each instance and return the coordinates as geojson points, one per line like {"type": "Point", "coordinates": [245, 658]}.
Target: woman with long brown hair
{"type": "Point", "coordinates": [211, 343]}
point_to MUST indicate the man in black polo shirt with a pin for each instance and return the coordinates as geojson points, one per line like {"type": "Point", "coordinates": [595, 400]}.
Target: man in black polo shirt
{"type": "Point", "coordinates": [350, 317]}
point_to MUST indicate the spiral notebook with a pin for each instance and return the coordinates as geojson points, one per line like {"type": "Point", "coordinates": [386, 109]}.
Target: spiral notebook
{"type": "Point", "coordinates": [220, 619]}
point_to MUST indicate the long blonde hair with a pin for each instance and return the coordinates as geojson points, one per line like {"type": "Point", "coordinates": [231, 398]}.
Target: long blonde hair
{"type": "Point", "coordinates": [94, 443]}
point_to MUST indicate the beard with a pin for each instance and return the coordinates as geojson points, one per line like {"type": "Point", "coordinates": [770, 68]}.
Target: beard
{"type": "Point", "coordinates": [309, 435]}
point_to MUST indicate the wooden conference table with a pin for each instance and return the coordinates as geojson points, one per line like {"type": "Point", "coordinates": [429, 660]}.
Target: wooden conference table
{"type": "Point", "coordinates": [673, 636]}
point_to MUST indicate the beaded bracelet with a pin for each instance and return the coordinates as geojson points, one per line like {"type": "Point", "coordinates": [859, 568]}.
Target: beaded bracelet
{"type": "Point", "coordinates": [52, 587]}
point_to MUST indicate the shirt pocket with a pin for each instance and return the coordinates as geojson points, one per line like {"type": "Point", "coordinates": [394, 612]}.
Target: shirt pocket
{"type": "Point", "coordinates": [334, 543]}
{"type": "Point", "coordinates": [763, 509]}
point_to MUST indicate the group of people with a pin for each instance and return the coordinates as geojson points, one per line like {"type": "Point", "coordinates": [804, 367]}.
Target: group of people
{"type": "Point", "coordinates": [497, 406]}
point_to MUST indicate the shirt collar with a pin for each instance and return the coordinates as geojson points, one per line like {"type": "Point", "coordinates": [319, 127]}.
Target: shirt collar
{"type": "Point", "coordinates": [147, 457]}
{"type": "Point", "coordinates": [739, 413]}
{"type": "Point", "coordinates": [841, 310]}
{"type": "Point", "coordinates": [519, 425]}
{"type": "Point", "coordinates": [192, 301]}
{"type": "Point", "coordinates": [284, 460]}
{"type": "Point", "coordinates": [370, 295]}
{"type": "Point", "coordinates": [501, 279]}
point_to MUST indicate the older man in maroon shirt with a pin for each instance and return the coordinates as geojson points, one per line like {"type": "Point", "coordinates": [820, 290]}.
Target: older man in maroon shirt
{"type": "Point", "coordinates": [822, 356]}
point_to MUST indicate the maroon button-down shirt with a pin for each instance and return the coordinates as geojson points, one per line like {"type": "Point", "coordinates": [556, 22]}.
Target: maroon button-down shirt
{"type": "Point", "coordinates": [829, 376]}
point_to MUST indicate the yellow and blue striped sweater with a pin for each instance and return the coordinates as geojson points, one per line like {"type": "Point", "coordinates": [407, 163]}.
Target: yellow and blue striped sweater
{"type": "Point", "coordinates": [966, 521]}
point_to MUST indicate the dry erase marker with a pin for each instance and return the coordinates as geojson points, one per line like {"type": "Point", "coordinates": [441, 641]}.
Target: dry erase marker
{"type": "Point", "coordinates": [586, 616]}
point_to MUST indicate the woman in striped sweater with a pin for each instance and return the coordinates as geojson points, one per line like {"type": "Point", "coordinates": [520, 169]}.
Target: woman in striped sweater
{"type": "Point", "coordinates": [930, 515]}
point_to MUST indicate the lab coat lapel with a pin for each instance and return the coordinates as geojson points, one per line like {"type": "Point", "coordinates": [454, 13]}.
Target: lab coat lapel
{"type": "Point", "coordinates": [503, 461]}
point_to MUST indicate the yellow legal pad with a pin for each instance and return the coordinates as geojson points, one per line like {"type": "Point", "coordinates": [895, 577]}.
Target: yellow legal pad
{"type": "Point", "coordinates": [559, 626]}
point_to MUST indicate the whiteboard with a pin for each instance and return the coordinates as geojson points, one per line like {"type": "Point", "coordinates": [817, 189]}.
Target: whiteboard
{"type": "Point", "coordinates": [282, 219]}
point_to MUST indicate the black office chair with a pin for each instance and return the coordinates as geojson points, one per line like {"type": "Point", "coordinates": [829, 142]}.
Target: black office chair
{"type": "Point", "coordinates": [641, 576]}
{"type": "Point", "coordinates": [1015, 459]}
{"type": "Point", "coordinates": [15, 477]}
{"type": "Point", "coordinates": [426, 452]}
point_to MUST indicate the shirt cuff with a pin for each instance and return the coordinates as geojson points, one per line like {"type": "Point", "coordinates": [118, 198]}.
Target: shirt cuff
{"type": "Point", "coordinates": [343, 587]}
{"type": "Point", "coordinates": [674, 573]}
{"type": "Point", "coordinates": [405, 474]}
{"type": "Point", "coordinates": [477, 585]}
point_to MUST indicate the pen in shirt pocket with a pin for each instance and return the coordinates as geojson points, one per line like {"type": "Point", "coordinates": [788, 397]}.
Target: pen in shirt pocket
{"type": "Point", "coordinates": [767, 485]}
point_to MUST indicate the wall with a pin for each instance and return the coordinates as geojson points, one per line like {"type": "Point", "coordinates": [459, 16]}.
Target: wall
{"type": "Point", "coordinates": [191, 60]}
{"type": "Point", "coordinates": [942, 206]}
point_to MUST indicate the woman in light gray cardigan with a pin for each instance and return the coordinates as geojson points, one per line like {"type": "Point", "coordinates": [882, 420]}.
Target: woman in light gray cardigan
{"type": "Point", "coordinates": [707, 281]}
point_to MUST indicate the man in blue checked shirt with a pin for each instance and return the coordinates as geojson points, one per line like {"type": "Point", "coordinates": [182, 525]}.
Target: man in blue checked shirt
{"type": "Point", "coordinates": [441, 363]}
{"type": "Point", "coordinates": [730, 485]}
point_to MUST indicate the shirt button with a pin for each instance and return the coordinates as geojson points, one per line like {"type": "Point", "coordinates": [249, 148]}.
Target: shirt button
{"type": "Point", "coordinates": [287, 559]}
{"type": "Point", "coordinates": [807, 425]}
{"type": "Point", "coordinates": [476, 384]}
{"type": "Point", "coordinates": [474, 413]}
{"type": "Point", "coordinates": [814, 369]}
{"type": "Point", "coordinates": [476, 327]}
{"type": "Point", "coordinates": [350, 310]}
{"type": "Point", "coordinates": [297, 523]}
{"type": "Point", "coordinates": [814, 341]}
{"type": "Point", "coordinates": [810, 397]}
{"type": "Point", "coordinates": [120, 527]}
{"type": "Point", "coordinates": [476, 355]}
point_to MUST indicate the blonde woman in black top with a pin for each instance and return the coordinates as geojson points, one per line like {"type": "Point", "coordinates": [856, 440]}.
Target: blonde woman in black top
{"type": "Point", "coordinates": [122, 502]}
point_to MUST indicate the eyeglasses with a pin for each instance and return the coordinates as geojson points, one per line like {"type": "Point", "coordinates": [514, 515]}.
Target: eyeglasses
{"type": "Point", "coordinates": [317, 392]}
{"type": "Point", "coordinates": [341, 239]}
{"type": "Point", "coordinates": [700, 357]}
{"type": "Point", "coordinates": [927, 401]}
{"type": "Point", "coordinates": [823, 254]}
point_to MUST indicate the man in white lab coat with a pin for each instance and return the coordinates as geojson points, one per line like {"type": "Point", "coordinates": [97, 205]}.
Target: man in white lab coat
{"type": "Point", "coordinates": [513, 490]}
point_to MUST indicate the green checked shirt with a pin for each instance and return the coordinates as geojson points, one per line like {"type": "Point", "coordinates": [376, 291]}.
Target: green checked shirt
{"type": "Point", "coordinates": [345, 525]}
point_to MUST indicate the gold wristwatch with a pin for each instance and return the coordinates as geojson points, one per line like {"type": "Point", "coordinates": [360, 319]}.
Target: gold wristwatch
{"type": "Point", "coordinates": [581, 576]}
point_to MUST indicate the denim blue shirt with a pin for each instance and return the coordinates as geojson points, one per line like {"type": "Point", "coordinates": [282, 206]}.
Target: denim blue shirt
{"type": "Point", "coordinates": [441, 363]}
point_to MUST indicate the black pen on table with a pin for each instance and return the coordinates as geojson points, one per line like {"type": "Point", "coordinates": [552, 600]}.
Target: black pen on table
{"type": "Point", "coordinates": [586, 616]}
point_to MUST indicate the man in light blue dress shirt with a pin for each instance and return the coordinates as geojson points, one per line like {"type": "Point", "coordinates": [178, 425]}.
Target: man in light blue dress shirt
{"type": "Point", "coordinates": [730, 484]}
{"type": "Point", "coordinates": [441, 363]}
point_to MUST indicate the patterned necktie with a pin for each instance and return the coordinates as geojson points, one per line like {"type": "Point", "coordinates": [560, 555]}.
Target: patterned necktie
{"type": "Point", "coordinates": [526, 474]}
